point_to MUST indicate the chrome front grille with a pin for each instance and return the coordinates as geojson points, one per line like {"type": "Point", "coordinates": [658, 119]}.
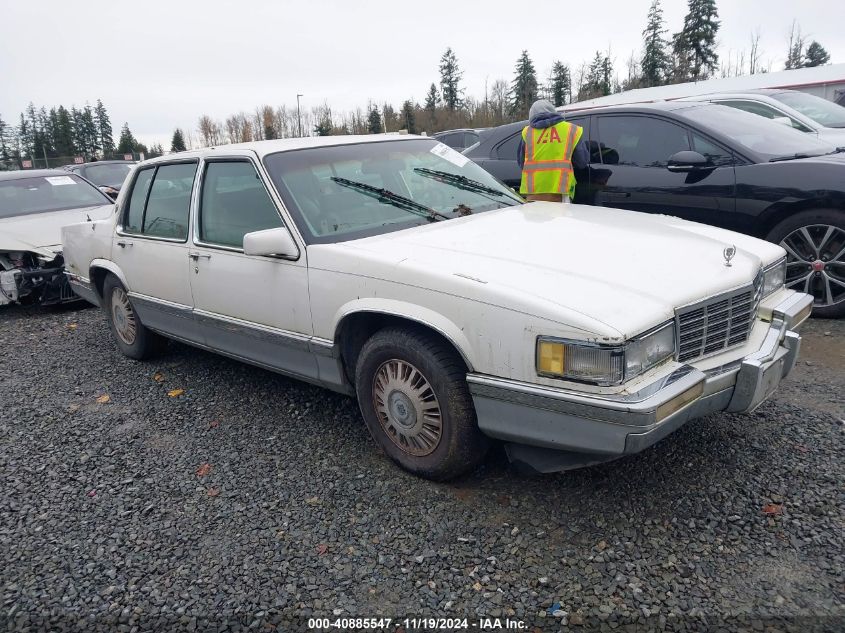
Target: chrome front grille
{"type": "Point", "coordinates": [718, 323]}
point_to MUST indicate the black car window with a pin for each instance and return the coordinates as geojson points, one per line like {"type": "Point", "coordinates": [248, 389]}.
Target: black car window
{"type": "Point", "coordinates": [452, 140]}
{"type": "Point", "coordinates": [507, 149]}
{"type": "Point", "coordinates": [715, 154]}
{"type": "Point", "coordinates": [168, 201]}
{"type": "Point", "coordinates": [234, 203]}
{"type": "Point", "coordinates": [639, 141]}
{"type": "Point", "coordinates": [764, 110]}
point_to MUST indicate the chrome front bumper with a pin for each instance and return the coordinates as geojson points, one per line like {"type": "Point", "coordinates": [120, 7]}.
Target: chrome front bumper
{"type": "Point", "coordinates": [554, 429]}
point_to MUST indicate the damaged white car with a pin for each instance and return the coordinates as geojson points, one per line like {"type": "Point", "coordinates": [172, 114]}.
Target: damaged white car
{"type": "Point", "coordinates": [396, 270]}
{"type": "Point", "coordinates": [34, 205]}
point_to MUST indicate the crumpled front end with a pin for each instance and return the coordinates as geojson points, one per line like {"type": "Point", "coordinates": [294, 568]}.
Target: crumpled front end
{"type": "Point", "coordinates": [33, 279]}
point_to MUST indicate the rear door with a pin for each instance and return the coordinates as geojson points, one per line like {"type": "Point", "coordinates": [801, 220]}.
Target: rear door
{"type": "Point", "coordinates": [629, 169]}
{"type": "Point", "coordinates": [151, 247]}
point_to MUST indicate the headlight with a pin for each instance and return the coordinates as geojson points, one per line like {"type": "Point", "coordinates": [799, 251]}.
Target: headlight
{"type": "Point", "coordinates": [774, 277]}
{"type": "Point", "coordinates": [604, 364]}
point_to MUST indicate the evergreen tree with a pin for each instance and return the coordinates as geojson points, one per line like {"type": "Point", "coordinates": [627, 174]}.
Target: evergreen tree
{"type": "Point", "coordinates": [560, 89]}
{"type": "Point", "coordinates": [524, 88]}
{"type": "Point", "coordinates": [324, 127]}
{"type": "Point", "coordinates": [432, 100]}
{"type": "Point", "coordinates": [5, 155]}
{"type": "Point", "coordinates": [374, 121]}
{"type": "Point", "coordinates": [64, 133]}
{"type": "Point", "coordinates": [408, 117]}
{"type": "Point", "coordinates": [816, 55]}
{"type": "Point", "coordinates": [104, 129]}
{"type": "Point", "coordinates": [127, 143]}
{"type": "Point", "coordinates": [25, 139]}
{"type": "Point", "coordinates": [655, 60]}
{"type": "Point", "coordinates": [177, 143]}
{"type": "Point", "coordinates": [391, 121]}
{"type": "Point", "coordinates": [795, 52]}
{"type": "Point", "coordinates": [697, 40]}
{"type": "Point", "coordinates": [450, 78]}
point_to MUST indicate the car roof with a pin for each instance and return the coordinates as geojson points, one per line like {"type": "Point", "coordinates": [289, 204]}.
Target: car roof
{"type": "Point", "coordinates": [31, 173]}
{"type": "Point", "coordinates": [460, 129]}
{"type": "Point", "coordinates": [264, 148]}
{"type": "Point", "coordinates": [655, 106]}
{"type": "Point", "coordinates": [104, 162]}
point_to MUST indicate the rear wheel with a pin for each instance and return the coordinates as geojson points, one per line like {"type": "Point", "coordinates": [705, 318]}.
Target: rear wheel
{"type": "Point", "coordinates": [133, 339]}
{"type": "Point", "coordinates": [414, 397]}
{"type": "Point", "coordinates": [815, 257]}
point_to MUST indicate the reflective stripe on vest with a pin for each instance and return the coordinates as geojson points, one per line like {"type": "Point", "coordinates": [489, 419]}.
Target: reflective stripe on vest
{"type": "Point", "coordinates": [548, 159]}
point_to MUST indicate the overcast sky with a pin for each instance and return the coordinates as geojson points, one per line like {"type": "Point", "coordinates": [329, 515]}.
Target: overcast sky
{"type": "Point", "coordinates": [161, 64]}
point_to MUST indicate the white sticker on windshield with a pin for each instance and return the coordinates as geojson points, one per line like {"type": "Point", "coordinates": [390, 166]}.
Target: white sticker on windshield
{"type": "Point", "coordinates": [446, 152]}
{"type": "Point", "coordinates": [60, 180]}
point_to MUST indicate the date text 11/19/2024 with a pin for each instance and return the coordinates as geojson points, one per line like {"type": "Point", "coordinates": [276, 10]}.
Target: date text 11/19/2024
{"type": "Point", "coordinates": [415, 624]}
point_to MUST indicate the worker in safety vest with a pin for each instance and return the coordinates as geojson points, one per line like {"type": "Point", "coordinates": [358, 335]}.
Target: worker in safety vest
{"type": "Point", "coordinates": [549, 152]}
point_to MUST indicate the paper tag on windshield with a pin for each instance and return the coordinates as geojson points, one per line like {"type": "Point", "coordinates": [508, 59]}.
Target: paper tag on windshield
{"type": "Point", "coordinates": [60, 180]}
{"type": "Point", "coordinates": [446, 152]}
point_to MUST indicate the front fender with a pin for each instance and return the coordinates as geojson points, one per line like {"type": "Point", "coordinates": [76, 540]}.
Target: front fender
{"type": "Point", "coordinates": [410, 312]}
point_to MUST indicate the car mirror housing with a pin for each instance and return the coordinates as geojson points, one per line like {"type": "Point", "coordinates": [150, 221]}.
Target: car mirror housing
{"type": "Point", "coordinates": [688, 161]}
{"type": "Point", "coordinates": [271, 243]}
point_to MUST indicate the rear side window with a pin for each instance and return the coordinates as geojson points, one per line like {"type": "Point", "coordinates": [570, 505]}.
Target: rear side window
{"type": "Point", "coordinates": [168, 201]}
{"type": "Point", "coordinates": [507, 150]}
{"type": "Point", "coordinates": [134, 218]}
{"type": "Point", "coordinates": [639, 141]}
{"type": "Point", "coordinates": [234, 203]}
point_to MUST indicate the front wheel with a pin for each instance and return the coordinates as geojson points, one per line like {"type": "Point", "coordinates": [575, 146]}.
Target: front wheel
{"type": "Point", "coordinates": [413, 395]}
{"type": "Point", "coordinates": [815, 257]}
{"type": "Point", "coordinates": [131, 336]}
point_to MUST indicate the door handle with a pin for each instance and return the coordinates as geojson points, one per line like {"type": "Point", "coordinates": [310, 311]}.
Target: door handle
{"type": "Point", "coordinates": [198, 256]}
{"type": "Point", "coordinates": [617, 195]}
{"type": "Point", "coordinates": [124, 244]}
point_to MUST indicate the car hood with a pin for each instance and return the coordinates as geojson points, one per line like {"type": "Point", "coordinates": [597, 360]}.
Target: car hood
{"type": "Point", "coordinates": [41, 232]}
{"type": "Point", "coordinates": [614, 272]}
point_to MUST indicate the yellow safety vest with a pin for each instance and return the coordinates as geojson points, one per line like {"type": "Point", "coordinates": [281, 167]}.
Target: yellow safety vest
{"type": "Point", "coordinates": [548, 159]}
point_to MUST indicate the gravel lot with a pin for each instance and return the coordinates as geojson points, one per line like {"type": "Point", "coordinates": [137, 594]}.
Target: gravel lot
{"type": "Point", "coordinates": [250, 501]}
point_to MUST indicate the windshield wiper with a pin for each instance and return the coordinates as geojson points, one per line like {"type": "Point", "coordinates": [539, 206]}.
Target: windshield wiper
{"type": "Point", "coordinates": [778, 159]}
{"type": "Point", "coordinates": [459, 181]}
{"type": "Point", "coordinates": [385, 195]}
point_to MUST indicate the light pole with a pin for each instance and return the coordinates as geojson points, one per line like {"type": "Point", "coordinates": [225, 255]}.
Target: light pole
{"type": "Point", "coordinates": [299, 114]}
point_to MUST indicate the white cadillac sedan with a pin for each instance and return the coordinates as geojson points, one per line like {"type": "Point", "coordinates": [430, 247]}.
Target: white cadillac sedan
{"type": "Point", "coordinates": [394, 269]}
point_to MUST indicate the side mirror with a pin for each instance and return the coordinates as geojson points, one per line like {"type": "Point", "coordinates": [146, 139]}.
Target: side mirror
{"type": "Point", "coordinates": [783, 120]}
{"type": "Point", "coordinates": [687, 161]}
{"type": "Point", "coordinates": [271, 243]}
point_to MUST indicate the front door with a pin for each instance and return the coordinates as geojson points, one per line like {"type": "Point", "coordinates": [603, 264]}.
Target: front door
{"type": "Point", "coordinates": [151, 247]}
{"type": "Point", "coordinates": [254, 308]}
{"type": "Point", "coordinates": [629, 159]}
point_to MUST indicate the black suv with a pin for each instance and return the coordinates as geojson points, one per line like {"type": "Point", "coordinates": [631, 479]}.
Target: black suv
{"type": "Point", "coordinates": [711, 164]}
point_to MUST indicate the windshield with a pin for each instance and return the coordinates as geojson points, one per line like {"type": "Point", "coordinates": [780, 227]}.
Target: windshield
{"type": "Point", "coordinates": [111, 175]}
{"type": "Point", "coordinates": [759, 135]}
{"type": "Point", "coordinates": [822, 111]}
{"type": "Point", "coordinates": [344, 192]}
{"type": "Point", "coordinates": [41, 194]}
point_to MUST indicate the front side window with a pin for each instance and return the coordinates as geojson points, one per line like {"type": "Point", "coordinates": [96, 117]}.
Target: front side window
{"type": "Point", "coordinates": [639, 141]}
{"type": "Point", "coordinates": [343, 192]}
{"type": "Point", "coordinates": [234, 202]}
{"type": "Point", "coordinates": [42, 194]}
{"type": "Point", "coordinates": [160, 201]}
{"type": "Point", "coordinates": [715, 154]}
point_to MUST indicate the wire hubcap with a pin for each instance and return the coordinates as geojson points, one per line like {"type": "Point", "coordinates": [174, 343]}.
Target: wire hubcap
{"type": "Point", "coordinates": [407, 407]}
{"type": "Point", "coordinates": [815, 262]}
